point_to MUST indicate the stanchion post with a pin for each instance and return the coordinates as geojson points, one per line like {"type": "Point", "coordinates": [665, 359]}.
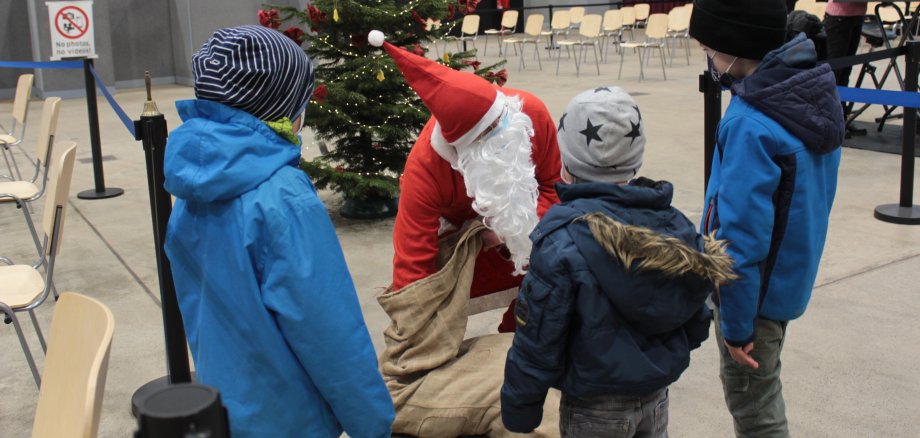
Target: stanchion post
{"type": "Point", "coordinates": [100, 191]}
{"type": "Point", "coordinates": [712, 114]}
{"type": "Point", "coordinates": [170, 406]}
{"type": "Point", "coordinates": [905, 212]}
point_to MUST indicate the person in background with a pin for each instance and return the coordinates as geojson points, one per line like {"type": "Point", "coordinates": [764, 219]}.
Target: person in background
{"type": "Point", "coordinates": [843, 25]}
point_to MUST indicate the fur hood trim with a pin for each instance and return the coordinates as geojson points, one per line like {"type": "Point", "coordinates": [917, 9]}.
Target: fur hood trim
{"type": "Point", "coordinates": [658, 252]}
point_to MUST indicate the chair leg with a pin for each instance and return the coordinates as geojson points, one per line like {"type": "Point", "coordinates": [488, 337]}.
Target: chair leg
{"type": "Point", "coordinates": [641, 64]}
{"type": "Point", "coordinates": [558, 60]}
{"type": "Point", "coordinates": [686, 45]}
{"type": "Point", "coordinates": [15, 167]}
{"type": "Point", "coordinates": [661, 52]}
{"type": "Point", "coordinates": [11, 318]}
{"type": "Point", "coordinates": [621, 65]}
{"type": "Point", "coordinates": [597, 62]}
{"type": "Point", "coordinates": [38, 331]}
{"type": "Point", "coordinates": [536, 53]}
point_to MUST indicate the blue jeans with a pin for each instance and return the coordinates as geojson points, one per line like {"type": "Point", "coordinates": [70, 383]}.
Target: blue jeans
{"type": "Point", "coordinates": [614, 416]}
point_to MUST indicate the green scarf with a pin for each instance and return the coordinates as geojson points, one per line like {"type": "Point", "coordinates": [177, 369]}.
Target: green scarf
{"type": "Point", "coordinates": [285, 128]}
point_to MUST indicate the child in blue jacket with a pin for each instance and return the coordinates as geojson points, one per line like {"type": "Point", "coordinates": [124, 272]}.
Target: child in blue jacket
{"type": "Point", "coordinates": [773, 181]}
{"type": "Point", "coordinates": [268, 304]}
{"type": "Point", "coordinates": [614, 298]}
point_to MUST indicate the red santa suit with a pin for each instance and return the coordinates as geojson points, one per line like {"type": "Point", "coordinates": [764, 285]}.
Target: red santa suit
{"type": "Point", "coordinates": [430, 190]}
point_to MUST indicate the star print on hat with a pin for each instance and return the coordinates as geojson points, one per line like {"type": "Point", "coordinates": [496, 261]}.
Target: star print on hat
{"type": "Point", "coordinates": [601, 136]}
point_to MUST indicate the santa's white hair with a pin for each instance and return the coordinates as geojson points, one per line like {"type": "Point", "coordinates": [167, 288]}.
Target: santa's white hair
{"type": "Point", "coordinates": [500, 177]}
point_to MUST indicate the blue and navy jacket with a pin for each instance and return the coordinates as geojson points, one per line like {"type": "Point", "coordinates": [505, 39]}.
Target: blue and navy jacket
{"type": "Point", "coordinates": [269, 307]}
{"type": "Point", "coordinates": [773, 181]}
{"type": "Point", "coordinates": [613, 300]}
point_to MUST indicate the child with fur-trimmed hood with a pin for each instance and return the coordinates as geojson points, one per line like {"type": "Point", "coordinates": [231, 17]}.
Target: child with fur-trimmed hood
{"type": "Point", "coordinates": [614, 299]}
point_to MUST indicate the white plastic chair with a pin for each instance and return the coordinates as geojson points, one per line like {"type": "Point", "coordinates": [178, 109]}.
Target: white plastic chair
{"type": "Point", "coordinates": [642, 13]}
{"type": "Point", "coordinates": [612, 30]}
{"type": "Point", "coordinates": [532, 34]}
{"type": "Point", "coordinates": [23, 287]}
{"type": "Point", "coordinates": [629, 21]}
{"type": "Point", "coordinates": [469, 30]}
{"type": "Point", "coordinates": [20, 113]}
{"type": "Point", "coordinates": [507, 27]}
{"type": "Point", "coordinates": [576, 14]}
{"type": "Point", "coordinates": [76, 367]}
{"type": "Point", "coordinates": [679, 30]}
{"type": "Point", "coordinates": [589, 34]}
{"type": "Point", "coordinates": [655, 37]}
{"type": "Point", "coordinates": [559, 25]}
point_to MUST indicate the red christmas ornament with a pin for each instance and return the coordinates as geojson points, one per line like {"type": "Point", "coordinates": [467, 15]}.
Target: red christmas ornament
{"type": "Point", "coordinates": [418, 18]}
{"type": "Point", "coordinates": [319, 95]}
{"type": "Point", "coordinates": [316, 17]}
{"type": "Point", "coordinates": [468, 6]}
{"type": "Point", "coordinates": [269, 18]}
{"type": "Point", "coordinates": [294, 33]}
{"type": "Point", "coordinates": [339, 168]}
{"type": "Point", "coordinates": [418, 50]}
{"type": "Point", "coordinates": [451, 12]}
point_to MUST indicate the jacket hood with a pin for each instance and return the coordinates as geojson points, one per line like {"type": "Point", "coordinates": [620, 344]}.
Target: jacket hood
{"type": "Point", "coordinates": [221, 152]}
{"type": "Point", "coordinates": [789, 87]}
{"type": "Point", "coordinates": [669, 269]}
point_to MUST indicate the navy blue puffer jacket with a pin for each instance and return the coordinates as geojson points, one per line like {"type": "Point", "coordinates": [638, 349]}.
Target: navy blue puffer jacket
{"type": "Point", "coordinates": [613, 301]}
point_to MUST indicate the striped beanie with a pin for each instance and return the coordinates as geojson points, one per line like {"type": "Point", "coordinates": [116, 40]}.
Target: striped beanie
{"type": "Point", "coordinates": [254, 69]}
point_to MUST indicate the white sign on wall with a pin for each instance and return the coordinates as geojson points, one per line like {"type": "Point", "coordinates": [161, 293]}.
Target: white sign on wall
{"type": "Point", "coordinates": [71, 29]}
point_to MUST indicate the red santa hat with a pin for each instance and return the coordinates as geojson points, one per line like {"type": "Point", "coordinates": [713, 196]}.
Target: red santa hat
{"type": "Point", "coordinates": [463, 104]}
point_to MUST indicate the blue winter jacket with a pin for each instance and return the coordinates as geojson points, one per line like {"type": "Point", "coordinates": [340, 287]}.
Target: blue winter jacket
{"type": "Point", "coordinates": [773, 181]}
{"type": "Point", "coordinates": [269, 307]}
{"type": "Point", "coordinates": [589, 326]}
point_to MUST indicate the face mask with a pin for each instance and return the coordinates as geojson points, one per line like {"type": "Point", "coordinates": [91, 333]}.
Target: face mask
{"type": "Point", "coordinates": [724, 79]}
{"type": "Point", "coordinates": [502, 124]}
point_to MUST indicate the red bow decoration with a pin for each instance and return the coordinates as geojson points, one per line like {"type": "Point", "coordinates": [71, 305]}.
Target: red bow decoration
{"type": "Point", "coordinates": [469, 5]}
{"type": "Point", "coordinates": [269, 18]}
{"type": "Point", "coordinates": [418, 18]}
{"type": "Point", "coordinates": [451, 12]}
{"type": "Point", "coordinates": [474, 64]}
{"type": "Point", "coordinates": [500, 78]}
{"type": "Point", "coordinates": [319, 95]}
{"type": "Point", "coordinates": [294, 33]}
{"type": "Point", "coordinates": [417, 49]}
{"type": "Point", "coordinates": [316, 17]}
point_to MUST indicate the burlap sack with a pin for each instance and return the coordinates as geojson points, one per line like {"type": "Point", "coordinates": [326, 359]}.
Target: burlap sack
{"type": "Point", "coordinates": [443, 386]}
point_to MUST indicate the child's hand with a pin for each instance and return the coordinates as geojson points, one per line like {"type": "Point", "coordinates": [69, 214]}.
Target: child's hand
{"type": "Point", "coordinates": [742, 355]}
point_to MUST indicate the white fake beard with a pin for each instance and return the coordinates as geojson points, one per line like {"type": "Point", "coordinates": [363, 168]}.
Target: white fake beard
{"type": "Point", "coordinates": [500, 177]}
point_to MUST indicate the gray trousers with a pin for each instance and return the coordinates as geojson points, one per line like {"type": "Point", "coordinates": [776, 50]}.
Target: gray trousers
{"type": "Point", "coordinates": [755, 397]}
{"type": "Point", "coordinates": [615, 416]}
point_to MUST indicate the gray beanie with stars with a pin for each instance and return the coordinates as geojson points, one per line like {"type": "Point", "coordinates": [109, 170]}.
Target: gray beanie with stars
{"type": "Point", "coordinates": [601, 136]}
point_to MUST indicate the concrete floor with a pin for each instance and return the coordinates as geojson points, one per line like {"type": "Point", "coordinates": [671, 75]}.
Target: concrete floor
{"type": "Point", "coordinates": [848, 361]}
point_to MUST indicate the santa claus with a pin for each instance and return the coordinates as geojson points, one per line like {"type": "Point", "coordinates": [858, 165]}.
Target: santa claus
{"type": "Point", "coordinates": [487, 154]}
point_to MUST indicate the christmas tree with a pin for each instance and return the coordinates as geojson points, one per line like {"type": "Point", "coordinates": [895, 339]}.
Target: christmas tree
{"type": "Point", "coordinates": [362, 109]}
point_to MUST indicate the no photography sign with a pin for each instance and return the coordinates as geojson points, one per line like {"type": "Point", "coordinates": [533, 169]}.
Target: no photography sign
{"type": "Point", "coordinates": [71, 24]}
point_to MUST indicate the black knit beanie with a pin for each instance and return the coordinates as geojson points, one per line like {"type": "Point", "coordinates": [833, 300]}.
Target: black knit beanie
{"type": "Point", "coordinates": [743, 28]}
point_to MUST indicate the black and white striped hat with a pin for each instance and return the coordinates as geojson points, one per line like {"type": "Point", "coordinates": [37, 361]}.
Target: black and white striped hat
{"type": "Point", "coordinates": [254, 69]}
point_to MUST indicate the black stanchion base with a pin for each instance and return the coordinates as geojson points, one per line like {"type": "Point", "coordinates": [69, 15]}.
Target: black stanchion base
{"type": "Point", "coordinates": [109, 192]}
{"type": "Point", "coordinates": [896, 214]}
{"type": "Point", "coordinates": [144, 392]}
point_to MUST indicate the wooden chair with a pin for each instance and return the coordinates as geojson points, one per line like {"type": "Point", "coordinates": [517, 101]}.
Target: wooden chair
{"type": "Point", "coordinates": [559, 25]}
{"type": "Point", "coordinates": [655, 37]}
{"type": "Point", "coordinates": [469, 30]}
{"type": "Point", "coordinates": [23, 287]}
{"type": "Point", "coordinates": [9, 138]}
{"type": "Point", "coordinates": [70, 399]}
{"type": "Point", "coordinates": [507, 27]}
{"type": "Point", "coordinates": [612, 30]}
{"type": "Point", "coordinates": [642, 13]}
{"type": "Point", "coordinates": [31, 190]}
{"type": "Point", "coordinates": [679, 30]}
{"type": "Point", "coordinates": [803, 5]}
{"type": "Point", "coordinates": [629, 21]}
{"type": "Point", "coordinates": [589, 34]}
{"type": "Point", "coordinates": [576, 14]}
{"type": "Point", "coordinates": [532, 34]}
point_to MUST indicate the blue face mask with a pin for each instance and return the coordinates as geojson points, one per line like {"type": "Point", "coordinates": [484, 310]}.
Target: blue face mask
{"type": "Point", "coordinates": [724, 79]}
{"type": "Point", "coordinates": [502, 124]}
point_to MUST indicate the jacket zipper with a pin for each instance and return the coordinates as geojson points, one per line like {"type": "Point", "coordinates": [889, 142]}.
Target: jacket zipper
{"type": "Point", "coordinates": [706, 221]}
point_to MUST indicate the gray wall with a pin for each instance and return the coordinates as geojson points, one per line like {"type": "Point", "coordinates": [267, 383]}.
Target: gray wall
{"type": "Point", "coordinates": [132, 36]}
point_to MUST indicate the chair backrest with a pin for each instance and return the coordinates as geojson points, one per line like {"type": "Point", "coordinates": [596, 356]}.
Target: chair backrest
{"type": "Point", "coordinates": [576, 14]}
{"type": "Point", "coordinates": [803, 5]}
{"type": "Point", "coordinates": [21, 100]}
{"type": "Point", "coordinates": [46, 129]}
{"type": "Point", "coordinates": [470, 25]}
{"type": "Point", "coordinates": [629, 16]}
{"type": "Point", "coordinates": [817, 9]}
{"type": "Point", "coordinates": [642, 11]}
{"type": "Point", "coordinates": [590, 26]}
{"type": "Point", "coordinates": [561, 20]}
{"type": "Point", "coordinates": [56, 198]}
{"type": "Point", "coordinates": [509, 19]}
{"type": "Point", "coordinates": [534, 24]}
{"type": "Point", "coordinates": [678, 20]}
{"type": "Point", "coordinates": [889, 13]}
{"type": "Point", "coordinates": [657, 26]}
{"type": "Point", "coordinates": [613, 20]}
{"type": "Point", "coordinates": [76, 366]}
